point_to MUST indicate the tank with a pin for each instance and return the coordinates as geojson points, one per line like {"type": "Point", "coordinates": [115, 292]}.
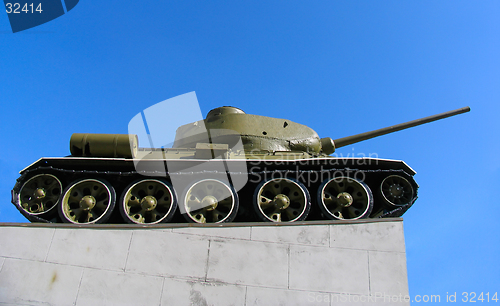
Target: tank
{"type": "Point", "coordinates": [229, 167]}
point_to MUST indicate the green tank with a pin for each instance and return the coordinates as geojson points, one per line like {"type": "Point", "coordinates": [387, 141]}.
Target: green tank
{"type": "Point", "coordinates": [231, 166]}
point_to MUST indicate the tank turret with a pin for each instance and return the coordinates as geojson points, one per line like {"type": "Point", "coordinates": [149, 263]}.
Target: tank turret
{"type": "Point", "coordinates": [257, 133]}
{"type": "Point", "coordinates": [272, 134]}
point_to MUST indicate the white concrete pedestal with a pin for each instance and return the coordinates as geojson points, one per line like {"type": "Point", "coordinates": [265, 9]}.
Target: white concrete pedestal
{"type": "Point", "coordinates": [325, 263]}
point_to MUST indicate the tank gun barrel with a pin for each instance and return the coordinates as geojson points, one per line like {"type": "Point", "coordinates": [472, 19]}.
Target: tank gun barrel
{"type": "Point", "coordinates": [345, 141]}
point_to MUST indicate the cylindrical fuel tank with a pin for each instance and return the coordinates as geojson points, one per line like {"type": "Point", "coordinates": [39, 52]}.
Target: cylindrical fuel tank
{"type": "Point", "coordinates": [104, 145]}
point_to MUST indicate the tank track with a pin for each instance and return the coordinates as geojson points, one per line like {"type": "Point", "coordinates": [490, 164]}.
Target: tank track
{"type": "Point", "coordinates": [121, 179]}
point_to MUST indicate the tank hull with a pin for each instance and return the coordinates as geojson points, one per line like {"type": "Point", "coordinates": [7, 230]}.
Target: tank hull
{"type": "Point", "coordinates": [315, 179]}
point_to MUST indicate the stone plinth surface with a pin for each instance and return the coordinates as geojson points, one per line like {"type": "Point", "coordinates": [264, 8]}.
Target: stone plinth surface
{"type": "Point", "coordinates": [318, 263]}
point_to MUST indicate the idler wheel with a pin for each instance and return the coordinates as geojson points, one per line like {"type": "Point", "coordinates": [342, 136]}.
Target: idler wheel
{"type": "Point", "coordinates": [87, 201]}
{"type": "Point", "coordinates": [210, 201]}
{"type": "Point", "coordinates": [39, 194]}
{"type": "Point", "coordinates": [148, 201]}
{"type": "Point", "coordinates": [396, 190]}
{"type": "Point", "coordinates": [281, 200]}
{"type": "Point", "coordinates": [345, 198]}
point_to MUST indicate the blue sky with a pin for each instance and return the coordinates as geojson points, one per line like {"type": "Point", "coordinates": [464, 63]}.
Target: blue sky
{"type": "Point", "coordinates": [340, 67]}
